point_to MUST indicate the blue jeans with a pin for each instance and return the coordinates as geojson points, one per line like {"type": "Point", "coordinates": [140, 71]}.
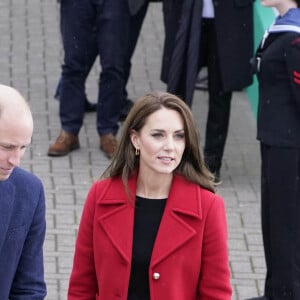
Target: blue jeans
{"type": "Point", "coordinates": [81, 22]}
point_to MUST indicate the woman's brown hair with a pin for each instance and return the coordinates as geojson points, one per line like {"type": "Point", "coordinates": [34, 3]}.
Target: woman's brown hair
{"type": "Point", "coordinates": [125, 162]}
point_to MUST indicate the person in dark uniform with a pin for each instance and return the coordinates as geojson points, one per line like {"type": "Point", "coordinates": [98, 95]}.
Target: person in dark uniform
{"type": "Point", "coordinates": [277, 63]}
{"type": "Point", "coordinates": [217, 34]}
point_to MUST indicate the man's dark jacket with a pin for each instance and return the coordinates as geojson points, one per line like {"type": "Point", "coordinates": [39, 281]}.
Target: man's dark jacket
{"type": "Point", "coordinates": [234, 29]}
{"type": "Point", "coordinates": [22, 233]}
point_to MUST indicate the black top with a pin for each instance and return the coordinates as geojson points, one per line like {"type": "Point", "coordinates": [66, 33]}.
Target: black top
{"type": "Point", "coordinates": [148, 213]}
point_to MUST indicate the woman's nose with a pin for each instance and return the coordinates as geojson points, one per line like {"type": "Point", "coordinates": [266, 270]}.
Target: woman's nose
{"type": "Point", "coordinates": [169, 143]}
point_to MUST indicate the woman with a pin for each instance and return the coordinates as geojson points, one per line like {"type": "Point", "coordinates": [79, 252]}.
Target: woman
{"type": "Point", "coordinates": [153, 228]}
{"type": "Point", "coordinates": [278, 72]}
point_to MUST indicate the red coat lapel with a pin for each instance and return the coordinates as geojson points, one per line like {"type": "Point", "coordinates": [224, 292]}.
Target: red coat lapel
{"type": "Point", "coordinates": [182, 206]}
{"type": "Point", "coordinates": [117, 218]}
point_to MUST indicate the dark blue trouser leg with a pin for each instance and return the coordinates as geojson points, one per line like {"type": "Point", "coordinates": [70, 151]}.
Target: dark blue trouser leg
{"type": "Point", "coordinates": [112, 40]}
{"type": "Point", "coordinates": [78, 29]}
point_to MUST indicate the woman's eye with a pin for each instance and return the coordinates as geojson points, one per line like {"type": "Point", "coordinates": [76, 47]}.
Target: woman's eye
{"type": "Point", "coordinates": [157, 135]}
{"type": "Point", "coordinates": [179, 136]}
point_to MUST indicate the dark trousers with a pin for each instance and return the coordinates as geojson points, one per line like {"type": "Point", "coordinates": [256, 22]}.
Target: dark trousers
{"type": "Point", "coordinates": [280, 212]}
{"type": "Point", "coordinates": [83, 21]}
{"type": "Point", "coordinates": [219, 101]}
{"type": "Point", "coordinates": [135, 25]}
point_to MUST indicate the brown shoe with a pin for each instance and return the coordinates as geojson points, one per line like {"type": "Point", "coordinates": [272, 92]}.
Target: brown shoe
{"type": "Point", "coordinates": [108, 144]}
{"type": "Point", "coordinates": [64, 144]}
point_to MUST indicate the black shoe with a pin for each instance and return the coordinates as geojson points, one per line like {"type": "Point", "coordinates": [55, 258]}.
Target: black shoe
{"type": "Point", "coordinates": [89, 106]}
{"type": "Point", "coordinates": [259, 298]}
{"type": "Point", "coordinates": [125, 110]}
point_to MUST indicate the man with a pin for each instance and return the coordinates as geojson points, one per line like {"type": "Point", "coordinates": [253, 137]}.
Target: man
{"type": "Point", "coordinates": [217, 34]}
{"type": "Point", "coordinates": [89, 28]}
{"type": "Point", "coordinates": [22, 205]}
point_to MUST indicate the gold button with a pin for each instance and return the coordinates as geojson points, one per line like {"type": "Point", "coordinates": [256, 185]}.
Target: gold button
{"type": "Point", "coordinates": [156, 276]}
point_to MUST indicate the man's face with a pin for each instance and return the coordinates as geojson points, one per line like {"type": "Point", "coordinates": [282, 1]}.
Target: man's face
{"type": "Point", "coordinates": [15, 136]}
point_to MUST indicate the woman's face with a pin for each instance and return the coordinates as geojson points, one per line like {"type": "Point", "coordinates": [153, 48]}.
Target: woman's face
{"type": "Point", "coordinates": [272, 3]}
{"type": "Point", "coordinates": [281, 5]}
{"type": "Point", "coordinates": [161, 142]}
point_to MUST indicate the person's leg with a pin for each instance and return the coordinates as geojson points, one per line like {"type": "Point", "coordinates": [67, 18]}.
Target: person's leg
{"type": "Point", "coordinates": [112, 41]}
{"type": "Point", "coordinates": [77, 28]}
{"type": "Point", "coordinates": [265, 213]}
{"type": "Point", "coordinates": [172, 12]}
{"type": "Point", "coordinates": [218, 110]}
{"type": "Point", "coordinates": [280, 196]}
{"type": "Point", "coordinates": [135, 26]}
{"type": "Point", "coordinates": [88, 106]}
{"type": "Point", "coordinates": [112, 24]}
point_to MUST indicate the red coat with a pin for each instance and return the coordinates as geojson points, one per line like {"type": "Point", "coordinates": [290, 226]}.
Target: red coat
{"type": "Point", "coordinates": [189, 259]}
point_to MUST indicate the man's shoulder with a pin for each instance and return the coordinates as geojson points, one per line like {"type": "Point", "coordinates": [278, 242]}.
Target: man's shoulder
{"type": "Point", "coordinates": [22, 174]}
{"type": "Point", "coordinates": [24, 179]}
{"type": "Point", "coordinates": [23, 195]}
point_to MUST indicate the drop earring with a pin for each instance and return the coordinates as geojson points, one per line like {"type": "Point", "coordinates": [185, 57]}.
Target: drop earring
{"type": "Point", "coordinates": [137, 151]}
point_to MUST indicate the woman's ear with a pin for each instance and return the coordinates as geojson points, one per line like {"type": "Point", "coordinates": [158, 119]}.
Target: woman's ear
{"type": "Point", "coordinates": [134, 138]}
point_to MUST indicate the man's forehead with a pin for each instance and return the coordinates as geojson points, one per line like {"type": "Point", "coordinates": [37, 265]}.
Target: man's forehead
{"type": "Point", "coordinates": [16, 131]}
{"type": "Point", "coordinates": [11, 101]}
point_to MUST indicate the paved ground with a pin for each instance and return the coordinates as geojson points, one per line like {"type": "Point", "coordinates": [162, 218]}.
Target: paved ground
{"type": "Point", "coordinates": [30, 57]}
